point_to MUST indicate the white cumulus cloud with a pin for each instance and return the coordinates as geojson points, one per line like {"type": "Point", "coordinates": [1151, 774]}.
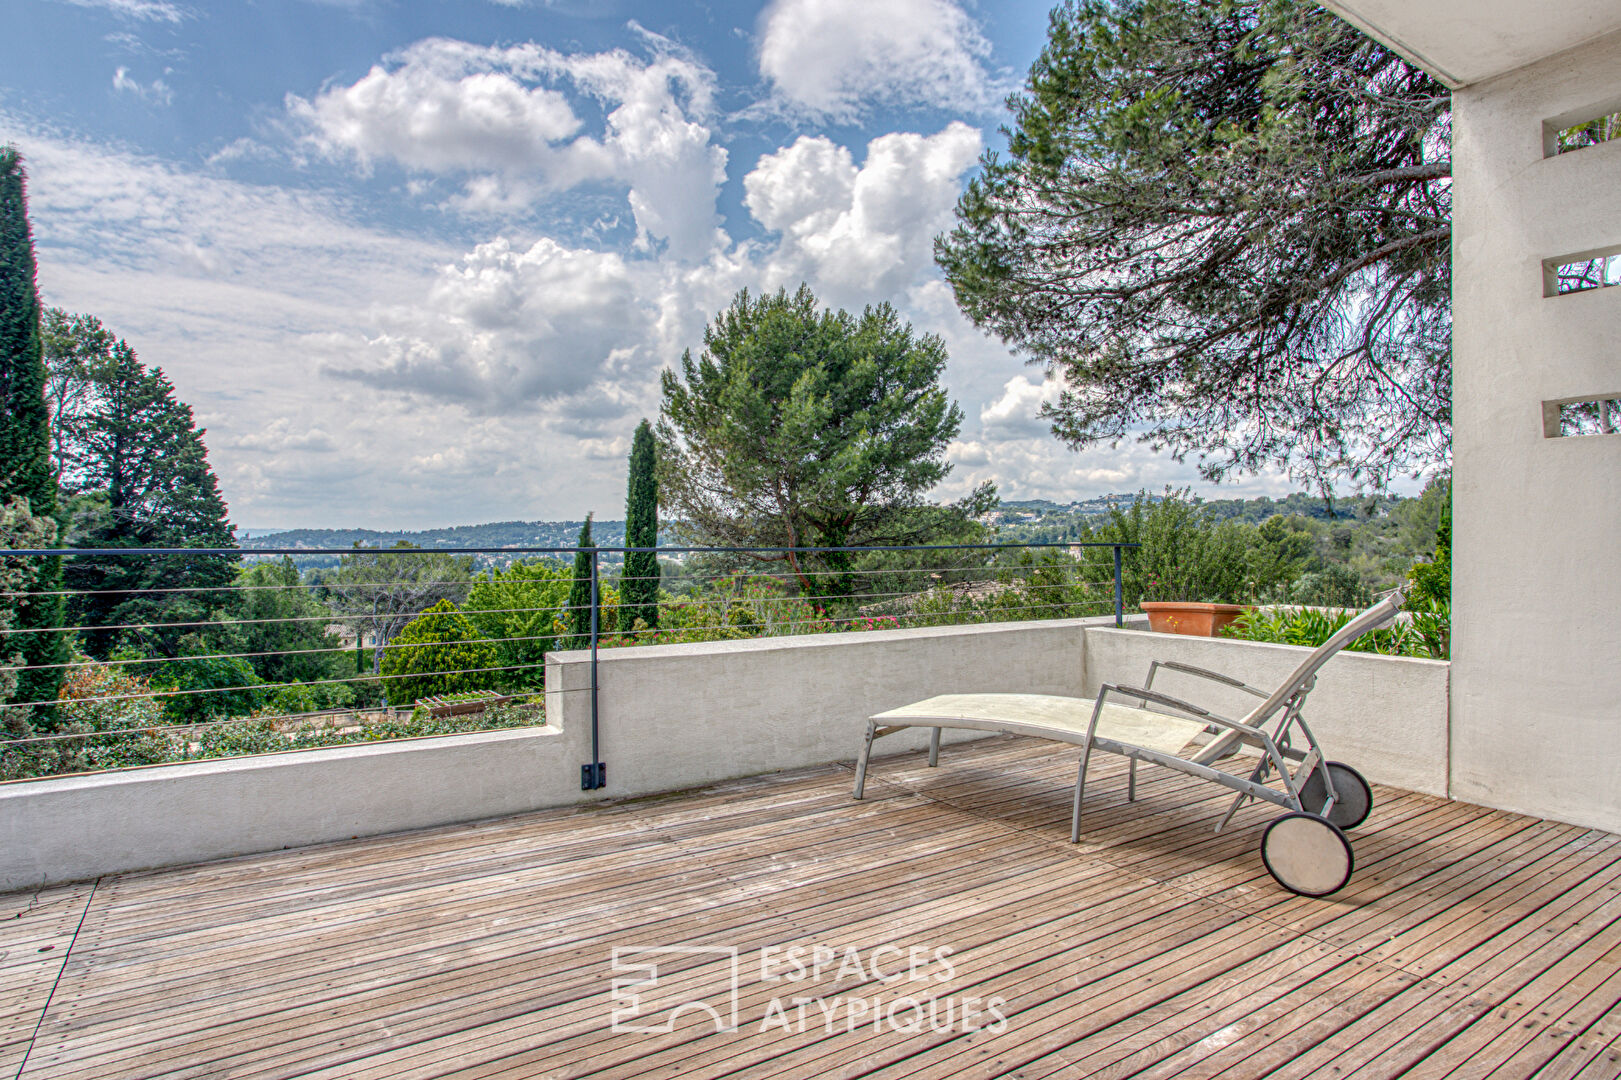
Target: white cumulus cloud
{"type": "Point", "coordinates": [832, 58]}
{"type": "Point", "coordinates": [509, 330]}
{"type": "Point", "coordinates": [1016, 413]}
{"type": "Point", "coordinates": [500, 118]}
{"type": "Point", "coordinates": [865, 231]}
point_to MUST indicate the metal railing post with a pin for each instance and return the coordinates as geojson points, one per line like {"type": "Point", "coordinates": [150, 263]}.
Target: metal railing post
{"type": "Point", "coordinates": [594, 775]}
{"type": "Point", "coordinates": [1119, 591]}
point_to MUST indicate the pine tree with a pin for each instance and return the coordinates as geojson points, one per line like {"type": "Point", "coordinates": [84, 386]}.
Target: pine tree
{"type": "Point", "coordinates": [639, 586]}
{"type": "Point", "coordinates": [577, 615]}
{"type": "Point", "coordinates": [25, 434]}
{"type": "Point", "coordinates": [136, 459]}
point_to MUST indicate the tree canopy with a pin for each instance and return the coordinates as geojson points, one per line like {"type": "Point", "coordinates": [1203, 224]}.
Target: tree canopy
{"type": "Point", "coordinates": [136, 468]}
{"type": "Point", "coordinates": [1227, 226]}
{"type": "Point", "coordinates": [381, 591]}
{"type": "Point", "coordinates": [805, 427]}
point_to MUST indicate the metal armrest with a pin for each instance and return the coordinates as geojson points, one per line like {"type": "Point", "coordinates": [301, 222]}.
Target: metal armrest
{"type": "Point", "coordinates": [1203, 673]}
{"type": "Point", "coordinates": [1192, 710]}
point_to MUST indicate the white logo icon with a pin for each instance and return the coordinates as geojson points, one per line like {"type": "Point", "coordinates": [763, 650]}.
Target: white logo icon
{"type": "Point", "coordinates": [659, 986]}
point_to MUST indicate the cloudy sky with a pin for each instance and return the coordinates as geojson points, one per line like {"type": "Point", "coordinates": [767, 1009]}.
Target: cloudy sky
{"type": "Point", "coordinates": [419, 262]}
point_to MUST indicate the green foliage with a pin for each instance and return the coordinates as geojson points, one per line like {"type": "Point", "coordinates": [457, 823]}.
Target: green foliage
{"type": "Point", "coordinates": [130, 745]}
{"type": "Point", "coordinates": [26, 473]}
{"type": "Point", "coordinates": [577, 615]}
{"type": "Point", "coordinates": [271, 736]}
{"type": "Point", "coordinates": [1425, 635]}
{"type": "Point", "coordinates": [1333, 585]}
{"type": "Point", "coordinates": [310, 697]}
{"type": "Point", "coordinates": [1227, 226]}
{"type": "Point", "coordinates": [1020, 585]}
{"type": "Point", "coordinates": [1183, 554]}
{"type": "Point", "coordinates": [381, 591]}
{"type": "Point", "coordinates": [733, 608]}
{"type": "Point", "coordinates": [1280, 549]}
{"type": "Point", "coordinates": [1432, 581]}
{"type": "Point", "coordinates": [96, 698]}
{"type": "Point", "coordinates": [284, 624]}
{"type": "Point", "coordinates": [211, 686]}
{"type": "Point", "coordinates": [639, 584]}
{"type": "Point", "coordinates": [137, 467]}
{"type": "Point", "coordinates": [21, 529]}
{"type": "Point", "coordinates": [438, 652]}
{"type": "Point", "coordinates": [805, 427]}
{"type": "Point", "coordinates": [516, 609]}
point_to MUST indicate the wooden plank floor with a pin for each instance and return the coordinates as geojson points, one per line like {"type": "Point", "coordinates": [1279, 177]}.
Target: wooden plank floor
{"type": "Point", "coordinates": [962, 937]}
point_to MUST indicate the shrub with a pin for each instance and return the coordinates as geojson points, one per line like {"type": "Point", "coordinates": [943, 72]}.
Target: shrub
{"type": "Point", "coordinates": [84, 708]}
{"type": "Point", "coordinates": [1424, 636]}
{"type": "Point", "coordinates": [517, 609]}
{"type": "Point", "coordinates": [1332, 586]}
{"type": "Point", "coordinates": [1432, 581]}
{"type": "Point", "coordinates": [1184, 554]}
{"type": "Point", "coordinates": [217, 686]}
{"type": "Point", "coordinates": [438, 652]}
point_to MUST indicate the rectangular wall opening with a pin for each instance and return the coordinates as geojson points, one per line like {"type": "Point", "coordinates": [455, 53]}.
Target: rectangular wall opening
{"type": "Point", "coordinates": [1582, 416]}
{"type": "Point", "coordinates": [1585, 270]}
{"type": "Point", "coordinates": [1570, 132]}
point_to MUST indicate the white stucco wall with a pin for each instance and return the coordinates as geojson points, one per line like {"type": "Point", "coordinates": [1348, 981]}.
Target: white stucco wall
{"type": "Point", "coordinates": [1536, 681]}
{"type": "Point", "coordinates": [681, 715]}
{"type": "Point", "coordinates": [1384, 715]}
{"type": "Point", "coordinates": [75, 827]}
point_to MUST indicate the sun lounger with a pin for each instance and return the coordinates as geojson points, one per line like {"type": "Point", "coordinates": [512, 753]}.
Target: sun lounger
{"type": "Point", "coordinates": [1268, 754]}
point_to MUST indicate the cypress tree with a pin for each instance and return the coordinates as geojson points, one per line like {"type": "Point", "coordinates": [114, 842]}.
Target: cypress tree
{"type": "Point", "coordinates": [578, 611]}
{"type": "Point", "coordinates": [25, 432]}
{"type": "Point", "coordinates": [639, 586]}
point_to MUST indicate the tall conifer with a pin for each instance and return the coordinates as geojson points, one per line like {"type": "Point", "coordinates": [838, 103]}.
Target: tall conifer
{"type": "Point", "coordinates": [578, 612]}
{"type": "Point", "coordinates": [25, 433]}
{"type": "Point", "coordinates": [639, 587]}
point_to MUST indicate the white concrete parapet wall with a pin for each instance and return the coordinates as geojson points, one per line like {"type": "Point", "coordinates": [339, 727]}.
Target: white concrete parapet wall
{"type": "Point", "coordinates": [677, 716]}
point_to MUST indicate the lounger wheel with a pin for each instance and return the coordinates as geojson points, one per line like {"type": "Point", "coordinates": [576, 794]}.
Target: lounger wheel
{"type": "Point", "coordinates": [1307, 855]}
{"type": "Point", "coordinates": [1352, 796]}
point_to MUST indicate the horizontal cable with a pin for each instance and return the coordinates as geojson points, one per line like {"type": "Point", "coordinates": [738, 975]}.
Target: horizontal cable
{"type": "Point", "coordinates": [330, 618]}
{"type": "Point", "coordinates": [359, 647]}
{"type": "Point", "coordinates": [971, 617]}
{"type": "Point", "coordinates": [267, 686]}
{"type": "Point", "coordinates": [784, 550]}
{"type": "Point", "coordinates": [63, 737]}
{"type": "Point", "coordinates": [334, 651]}
{"type": "Point", "coordinates": [342, 587]}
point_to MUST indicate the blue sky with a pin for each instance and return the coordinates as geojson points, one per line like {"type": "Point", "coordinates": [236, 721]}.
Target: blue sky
{"type": "Point", "coordinates": [417, 264]}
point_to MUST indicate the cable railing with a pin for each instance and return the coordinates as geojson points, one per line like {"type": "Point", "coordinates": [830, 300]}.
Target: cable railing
{"type": "Point", "coordinates": [281, 659]}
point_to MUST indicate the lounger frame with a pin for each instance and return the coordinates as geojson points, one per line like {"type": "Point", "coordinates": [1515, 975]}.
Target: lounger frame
{"type": "Point", "coordinates": [1279, 710]}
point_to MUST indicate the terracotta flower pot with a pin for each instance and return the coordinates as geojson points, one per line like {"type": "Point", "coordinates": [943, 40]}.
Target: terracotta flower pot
{"type": "Point", "coordinates": [1187, 617]}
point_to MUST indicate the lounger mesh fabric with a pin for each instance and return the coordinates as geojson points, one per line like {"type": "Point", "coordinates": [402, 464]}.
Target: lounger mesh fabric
{"type": "Point", "coordinates": [1051, 717]}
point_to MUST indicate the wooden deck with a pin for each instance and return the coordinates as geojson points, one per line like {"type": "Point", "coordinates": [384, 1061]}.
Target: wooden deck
{"type": "Point", "coordinates": [1469, 943]}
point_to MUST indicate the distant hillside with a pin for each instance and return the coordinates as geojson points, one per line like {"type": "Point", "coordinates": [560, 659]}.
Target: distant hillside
{"type": "Point", "coordinates": [496, 534]}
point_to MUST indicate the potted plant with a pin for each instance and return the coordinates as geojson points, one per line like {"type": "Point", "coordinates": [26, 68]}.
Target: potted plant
{"type": "Point", "coordinates": [1193, 570]}
{"type": "Point", "coordinates": [1193, 617]}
